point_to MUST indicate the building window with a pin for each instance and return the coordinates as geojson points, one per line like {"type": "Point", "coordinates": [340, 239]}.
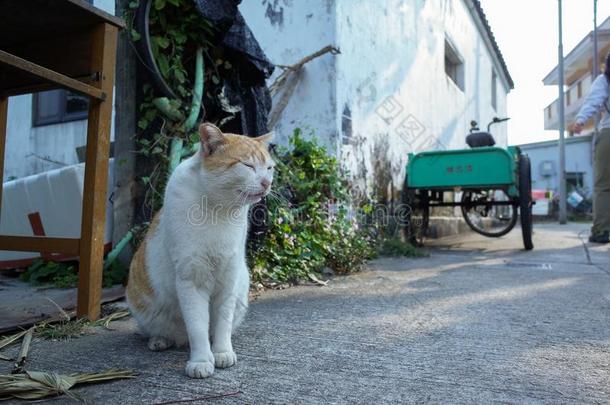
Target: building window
{"type": "Point", "coordinates": [454, 64]}
{"type": "Point", "coordinates": [574, 180]}
{"type": "Point", "coordinates": [579, 90]}
{"type": "Point", "coordinates": [494, 90]}
{"type": "Point", "coordinates": [568, 97]}
{"type": "Point", "coordinates": [549, 112]}
{"type": "Point", "coordinates": [56, 106]}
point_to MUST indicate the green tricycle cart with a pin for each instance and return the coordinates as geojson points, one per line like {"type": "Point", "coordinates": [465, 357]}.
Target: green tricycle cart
{"type": "Point", "coordinates": [492, 187]}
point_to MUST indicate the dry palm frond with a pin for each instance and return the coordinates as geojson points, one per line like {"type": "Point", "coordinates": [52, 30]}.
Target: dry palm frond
{"type": "Point", "coordinates": [8, 340]}
{"type": "Point", "coordinates": [36, 384]}
{"type": "Point", "coordinates": [23, 353]}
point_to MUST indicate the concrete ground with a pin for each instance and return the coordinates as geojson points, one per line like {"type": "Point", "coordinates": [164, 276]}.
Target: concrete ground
{"type": "Point", "coordinates": [478, 321]}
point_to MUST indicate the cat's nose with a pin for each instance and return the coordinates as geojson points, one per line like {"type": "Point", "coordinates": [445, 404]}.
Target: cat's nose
{"type": "Point", "coordinates": [265, 183]}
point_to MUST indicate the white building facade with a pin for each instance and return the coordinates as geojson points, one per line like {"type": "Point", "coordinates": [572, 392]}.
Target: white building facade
{"type": "Point", "coordinates": [411, 76]}
{"type": "Point", "coordinates": [578, 77]}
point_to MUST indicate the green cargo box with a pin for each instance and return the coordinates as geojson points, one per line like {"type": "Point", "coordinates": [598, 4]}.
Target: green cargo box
{"type": "Point", "coordinates": [463, 168]}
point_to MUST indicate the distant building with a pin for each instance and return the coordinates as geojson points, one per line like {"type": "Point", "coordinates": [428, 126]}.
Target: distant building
{"type": "Point", "coordinates": [579, 151]}
{"type": "Point", "coordinates": [545, 164]}
{"type": "Point", "coordinates": [411, 76]}
{"type": "Point", "coordinates": [578, 74]}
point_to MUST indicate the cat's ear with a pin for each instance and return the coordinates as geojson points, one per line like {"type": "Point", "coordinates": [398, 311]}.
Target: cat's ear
{"type": "Point", "coordinates": [267, 138]}
{"type": "Point", "coordinates": [211, 138]}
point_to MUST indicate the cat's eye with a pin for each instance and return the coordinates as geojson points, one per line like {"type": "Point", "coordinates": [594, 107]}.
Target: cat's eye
{"type": "Point", "coordinates": [270, 167]}
{"type": "Point", "coordinates": [248, 165]}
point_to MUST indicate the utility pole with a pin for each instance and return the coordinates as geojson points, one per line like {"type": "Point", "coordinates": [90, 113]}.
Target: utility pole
{"type": "Point", "coordinates": [563, 215]}
{"type": "Point", "coordinates": [595, 63]}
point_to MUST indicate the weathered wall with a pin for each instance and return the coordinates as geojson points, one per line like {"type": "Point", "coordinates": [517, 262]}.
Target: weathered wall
{"type": "Point", "coordinates": [288, 30]}
{"type": "Point", "coordinates": [393, 94]}
{"type": "Point", "coordinates": [31, 150]}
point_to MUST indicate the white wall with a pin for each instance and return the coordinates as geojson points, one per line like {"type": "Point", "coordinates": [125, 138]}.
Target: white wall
{"type": "Point", "coordinates": [31, 150]}
{"type": "Point", "coordinates": [393, 52]}
{"type": "Point", "coordinates": [289, 30]}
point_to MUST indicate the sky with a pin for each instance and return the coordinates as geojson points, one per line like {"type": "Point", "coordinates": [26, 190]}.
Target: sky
{"type": "Point", "coordinates": [526, 32]}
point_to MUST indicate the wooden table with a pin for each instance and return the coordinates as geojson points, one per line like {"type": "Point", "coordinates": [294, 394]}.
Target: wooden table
{"type": "Point", "coordinates": [49, 44]}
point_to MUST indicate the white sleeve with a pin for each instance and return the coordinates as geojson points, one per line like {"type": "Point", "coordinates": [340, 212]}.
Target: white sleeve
{"type": "Point", "coordinates": [598, 95]}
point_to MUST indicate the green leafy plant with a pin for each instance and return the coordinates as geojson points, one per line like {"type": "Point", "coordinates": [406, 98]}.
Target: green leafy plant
{"type": "Point", "coordinates": [65, 274]}
{"type": "Point", "coordinates": [397, 247]}
{"type": "Point", "coordinates": [177, 33]}
{"type": "Point", "coordinates": [309, 223]}
{"type": "Point", "coordinates": [61, 275]}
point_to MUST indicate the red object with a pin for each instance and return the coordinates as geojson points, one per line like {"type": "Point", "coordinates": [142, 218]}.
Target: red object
{"type": "Point", "coordinates": [539, 194]}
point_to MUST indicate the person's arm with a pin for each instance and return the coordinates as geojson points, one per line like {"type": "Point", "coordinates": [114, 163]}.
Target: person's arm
{"type": "Point", "coordinates": [598, 94]}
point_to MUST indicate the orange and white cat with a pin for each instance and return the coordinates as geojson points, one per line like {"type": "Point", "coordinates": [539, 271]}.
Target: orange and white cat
{"type": "Point", "coordinates": [189, 280]}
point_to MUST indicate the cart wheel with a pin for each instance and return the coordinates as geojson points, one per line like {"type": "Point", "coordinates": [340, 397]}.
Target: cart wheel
{"type": "Point", "coordinates": [417, 215]}
{"type": "Point", "coordinates": [525, 201]}
{"type": "Point", "coordinates": [485, 218]}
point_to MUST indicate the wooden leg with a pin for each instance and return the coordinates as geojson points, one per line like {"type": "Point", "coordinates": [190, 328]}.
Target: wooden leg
{"type": "Point", "coordinates": [96, 176]}
{"type": "Point", "coordinates": [3, 119]}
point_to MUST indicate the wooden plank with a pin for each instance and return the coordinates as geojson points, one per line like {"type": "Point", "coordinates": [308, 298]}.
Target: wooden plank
{"type": "Point", "coordinates": [3, 120]}
{"type": "Point", "coordinates": [96, 175]}
{"type": "Point", "coordinates": [114, 20]}
{"type": "Point", "coordinates": [42, 244]}
{"type": "Point", "coordinates": [29, 21]}
{"type": "Point", "coordinates": [24, 304]}
{"type": "Point", "coordinates": [72, 60]}
{"type": "Point", "coordinates": [48, 75]}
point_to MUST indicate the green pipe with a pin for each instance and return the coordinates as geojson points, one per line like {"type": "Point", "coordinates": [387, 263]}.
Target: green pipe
{"type": "Point", "coordinates": [189, 151]}
{"type": "Point", "coordinates": [176, 152]}
{"type": "Point", "coordinates": [114, 253]}
{"type": "Point", "coordinates": [197, 93]}
{"type": "Point", "coordinates": [170, 111]}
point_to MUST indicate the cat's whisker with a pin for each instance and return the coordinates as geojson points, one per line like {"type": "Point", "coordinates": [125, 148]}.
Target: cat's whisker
{"type": "Point", "coordinates": [274, 195]}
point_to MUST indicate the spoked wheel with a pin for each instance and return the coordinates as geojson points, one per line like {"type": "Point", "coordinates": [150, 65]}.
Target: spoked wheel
{"type": "Point", "coordinates": [525, 201]}
{"type": "Point", "coordinates": [485, 217]}
{"type": "Point", "coordinates": [417, 215]}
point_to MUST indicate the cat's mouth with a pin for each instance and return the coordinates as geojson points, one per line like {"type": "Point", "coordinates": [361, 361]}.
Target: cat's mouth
{"type": "Point", "coordinates": [253, 197]}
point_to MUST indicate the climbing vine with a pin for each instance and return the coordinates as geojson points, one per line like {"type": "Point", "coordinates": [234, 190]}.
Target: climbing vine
{"type": "Point", "coordinates": [167, 130]}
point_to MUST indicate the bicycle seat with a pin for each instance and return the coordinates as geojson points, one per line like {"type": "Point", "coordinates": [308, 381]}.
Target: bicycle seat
{"type": "Point", "coordinates": [480, 139]}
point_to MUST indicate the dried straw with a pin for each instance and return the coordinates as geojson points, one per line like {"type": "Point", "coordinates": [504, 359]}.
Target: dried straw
{"type": "Point", "coordinates": [36, 384]}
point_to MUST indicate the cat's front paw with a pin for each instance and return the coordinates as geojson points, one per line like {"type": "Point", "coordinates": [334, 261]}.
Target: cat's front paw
{"type": "Point", "coordinates": [225, 359]}
{"type": "Point", "coordinates": [199, 369]}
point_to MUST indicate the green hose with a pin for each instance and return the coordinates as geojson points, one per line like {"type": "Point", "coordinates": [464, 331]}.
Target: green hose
{"type": "Point", "coordinates": [175, 152]}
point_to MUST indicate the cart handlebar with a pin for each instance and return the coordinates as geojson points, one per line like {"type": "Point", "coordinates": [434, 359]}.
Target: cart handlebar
{"type": "Point", "coordinates": [496, 120]}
